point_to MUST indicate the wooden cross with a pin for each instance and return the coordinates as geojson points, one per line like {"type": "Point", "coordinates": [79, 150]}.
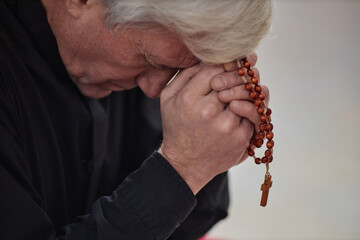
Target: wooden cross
{"type": "Point", "coordinates": [265, 190]}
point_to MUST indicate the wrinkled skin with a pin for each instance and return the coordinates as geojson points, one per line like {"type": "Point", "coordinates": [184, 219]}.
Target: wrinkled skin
{"type": "Point", "coordinates": [208, 118]}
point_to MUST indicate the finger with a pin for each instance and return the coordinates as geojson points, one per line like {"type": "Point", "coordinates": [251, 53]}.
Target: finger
{"type": "Point", "coordinates": [212, 98]}
{"type": "Point", "coordinates": [200, 83]}
{"type": "Point", "coordinates": [236, 93]}
{"type": "Point", "coordinates": [244, 132]}
{"type": "Point", "coordinates": [225, 80]}
{"type": "Point", "coordinates": [245, 155]}
{"type": "Point", "coordinates": [230, 66]}
{"type": "Point", "coordinates": [228, 121]}
{"type": "Point", "coordinates": [246, 109]}
{"type": "Point", "coordinates": [181, 80]}
{"type": "Point", "coordinates": [266, 92]}
{"type": "Point", "coordinates": [252, 58]}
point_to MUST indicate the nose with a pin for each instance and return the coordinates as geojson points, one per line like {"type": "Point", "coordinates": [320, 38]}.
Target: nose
{"type": "Point", "coordinates": [153, 81]}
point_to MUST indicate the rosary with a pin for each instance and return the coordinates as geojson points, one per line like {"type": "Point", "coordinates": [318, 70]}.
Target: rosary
{"type": "Point", "coordinates": [265, 126]}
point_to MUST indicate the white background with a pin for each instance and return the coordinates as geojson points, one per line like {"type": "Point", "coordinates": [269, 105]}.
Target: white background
{"type": "Point", "coordinates": [311, 63]}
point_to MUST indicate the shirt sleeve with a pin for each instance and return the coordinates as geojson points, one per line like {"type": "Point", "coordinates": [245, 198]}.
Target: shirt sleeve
{"type": "Point", "coordinates": [212, 206]}
{"type": "Point", "coordinates": [149, 204]}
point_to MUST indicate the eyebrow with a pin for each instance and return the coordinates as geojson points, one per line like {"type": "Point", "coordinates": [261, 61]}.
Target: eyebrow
{"type": "Point", "coordinates": [155, 62]}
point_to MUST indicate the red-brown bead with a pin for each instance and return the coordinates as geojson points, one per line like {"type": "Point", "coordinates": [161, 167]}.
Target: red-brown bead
{"type": "Point", "coordinates": [260, 110]}
{"type": "Point", "coordinates": [263, 118]}
{"type": "Point", "coordinates": [269, 135]}
{"type": "Point", "coordinates": [261, 135]}
{"type": "Point", "coordinates": [251, 152]}
{"type": "Point", "coordinates": [257, 88]}
{"type": "Point", "coordinates": [248, 86]}
{"type": "Point", "coordinates": [261, 96]}
{"type": "Point", "coordinates": [254, 80]}
{"type": "Point", "coordinates": [250, 72]}
{"type": "Point", "coordinates": [270, 159]}
{"type": "Point", "coordinates": [259, 143]}
{"type": "Point", "coordinates": [257, 102]}
{"type": "Point", "coordinates": [264, 160]}
{"type": "Point", "coordinates": [268, 111]}
{"type": "Point", "coordinates": [268, 153]}
{"type": "Point", "coordinates": [241, 72]}
{"type": "Point", "coordinates": [269, 127]}
{"type": "Point", "coordinates": [270, 144]}
{"type": "Point", "coordinates": [257, 160]}
{"type": "Point", "coordinates": [262, 126]}
{"type": "Point", "coordinates": [247, 64]}
{"type": "Point", "coordinates": [252, 94]}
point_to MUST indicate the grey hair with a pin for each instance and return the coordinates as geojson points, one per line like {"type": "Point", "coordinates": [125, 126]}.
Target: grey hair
{"type": "Point", "coordinates": [215, 31]}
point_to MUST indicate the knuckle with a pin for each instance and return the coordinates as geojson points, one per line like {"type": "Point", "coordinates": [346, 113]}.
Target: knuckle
{"type": "Point", "coordinates": [234, 78]}
{"type": "Point", "coordinates": [184, 99]}
{"type": "Point", "coordinates": [231, 79]}
{"type": "Point", "coordinates": [226, 95]}
{"type": "Point", "coordinates": [208, 112]}
{"type": "Point", "coordinates": [247, 107]}
{"type": "Point", "coordinates": [238, 91]}
{"type": "Point", "coordinates": [226, 127]}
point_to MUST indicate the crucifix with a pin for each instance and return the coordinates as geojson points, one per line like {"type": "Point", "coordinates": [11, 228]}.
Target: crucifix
{"type": "Point", "coordinates": [265, 190]}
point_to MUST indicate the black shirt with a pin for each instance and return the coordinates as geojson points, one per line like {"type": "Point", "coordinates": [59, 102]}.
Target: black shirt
{"type": "Point", "coordinates": [72, 167]}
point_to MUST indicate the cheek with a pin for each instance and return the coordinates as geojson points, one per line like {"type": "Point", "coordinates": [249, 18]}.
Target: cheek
{"type": "Point", "coordinates": [153, 82]}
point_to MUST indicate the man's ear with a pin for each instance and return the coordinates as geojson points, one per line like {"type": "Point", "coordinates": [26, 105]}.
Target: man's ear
{"type": "Point", "coordinates": [76, 8]}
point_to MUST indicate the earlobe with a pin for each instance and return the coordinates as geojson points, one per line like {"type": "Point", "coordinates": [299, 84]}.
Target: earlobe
{"type": "Point", "coordinates": [76, 7]}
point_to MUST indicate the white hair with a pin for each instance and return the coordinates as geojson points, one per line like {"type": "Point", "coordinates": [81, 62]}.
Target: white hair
{"type": "Point", "coordinates": [215, 31]}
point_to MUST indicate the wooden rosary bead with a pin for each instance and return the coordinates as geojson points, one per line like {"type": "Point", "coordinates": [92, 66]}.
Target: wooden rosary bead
{"type": "Point", "coordinates": [262, 126]}
{"type": "Point", "coordinates": [270, 144]}
{"type": "Point", "coordinates": [261, 96]}
{"type": "Point", "coordinates": [263, 118]}
{"type": "Point", "coordinates": [254, 80]}
{"type": "Point", "coordinates": [250, 72]}
{"type": "Point", "coordinates": [248, 86]}
{"type": "Point", "coordinates": [260, 110]}
{"type": "Point", "coordinates": [251, 152]}
{"type": "Point", "coordinates": [241, 72]}
{"type": "Point", "coordinates": [268, 153]}
{"type": "Point", "coordinates": [259, 143]}
{"type": "Point", "coordinates": [269, 135]}
{"type": "Point", "coordinates": [257, 102]}
{"type": "Point", "coordinates": [269, 127]}
{"type": "Point", "coordinates": [264, 159]}
{"type": "Point", "coordinates": [257, 140]}
{"type": "Point", "coordinates": [252, 94]}
{"type": "Point", "coordinates": [261, 135]}
{"type": "Point", "coordinates": [247, 64]}
{"type": "Point", "coordinates": [257, 88]}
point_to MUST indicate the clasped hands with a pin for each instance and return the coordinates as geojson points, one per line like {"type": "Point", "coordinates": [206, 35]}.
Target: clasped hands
{"type": "Point", "coordinates": [208, 120]}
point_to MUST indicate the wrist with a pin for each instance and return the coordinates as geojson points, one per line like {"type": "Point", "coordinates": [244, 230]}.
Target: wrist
{"type": "Point", "coordinates": [192, 178]}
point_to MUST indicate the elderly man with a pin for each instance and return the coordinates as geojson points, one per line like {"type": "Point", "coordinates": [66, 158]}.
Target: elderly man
{"type": "Point", "coordinates": [81, 161]}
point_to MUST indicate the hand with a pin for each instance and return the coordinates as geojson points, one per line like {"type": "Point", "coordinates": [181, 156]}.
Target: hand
{"type": "Point", "coordinates": [202, 136]}
{"type": "Point", "coordinates": [231, 89]}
